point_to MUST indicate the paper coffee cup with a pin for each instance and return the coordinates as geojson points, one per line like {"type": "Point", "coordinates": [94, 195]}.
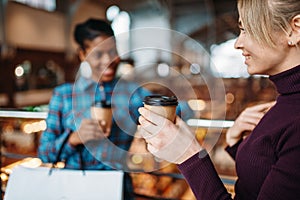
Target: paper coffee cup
{"type": "Point", "coordinates": [102, 112]}
{"type": "Point", "coordinates": [162, 105]}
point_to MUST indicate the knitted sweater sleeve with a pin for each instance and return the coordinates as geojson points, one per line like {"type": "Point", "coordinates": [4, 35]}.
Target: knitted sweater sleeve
{"type": "Point", "coordinates": [202, 177]}
{"type": "Point", "coordinates": [233, 149]}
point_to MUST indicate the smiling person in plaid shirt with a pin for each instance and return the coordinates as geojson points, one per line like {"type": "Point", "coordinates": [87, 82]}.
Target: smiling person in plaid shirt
{"type": "Point", "coordinates": [87, 146]}
{"type": "Point", "coordinates": [69, 124]}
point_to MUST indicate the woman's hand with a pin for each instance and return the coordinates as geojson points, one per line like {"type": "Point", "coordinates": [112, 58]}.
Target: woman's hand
{"type": "Point", "coordinates": [172, 142]}
{"type": "Point", "coordinates": [246, 121]}
{"type": "Point", "coordinates": [90, 129]}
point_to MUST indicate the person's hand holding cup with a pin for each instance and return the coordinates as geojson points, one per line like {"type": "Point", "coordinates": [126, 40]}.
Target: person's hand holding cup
{"type": "Point", "coordinates": [166, 135]}
{"type": "Point", "coordinates": [102, 112]}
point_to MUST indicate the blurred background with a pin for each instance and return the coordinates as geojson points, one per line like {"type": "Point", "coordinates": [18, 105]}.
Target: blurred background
{"type": "Point", "coordinates": [37, 53]}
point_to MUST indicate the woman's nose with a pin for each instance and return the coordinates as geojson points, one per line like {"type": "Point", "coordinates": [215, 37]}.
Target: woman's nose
{"type": "Point", "coordinates": [238, 43]}
{"type": "Point", "coordinates": [106, 59]}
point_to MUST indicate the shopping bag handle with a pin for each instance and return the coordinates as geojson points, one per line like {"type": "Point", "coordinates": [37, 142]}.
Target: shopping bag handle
{"type": "Point", "coordinates": [78, 148]}
{"type": "Point", "coordinates": [60, 151]}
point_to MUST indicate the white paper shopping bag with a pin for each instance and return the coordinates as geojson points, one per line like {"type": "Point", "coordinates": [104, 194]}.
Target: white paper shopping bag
{"type": "Point", "coordinates": [63, 184]}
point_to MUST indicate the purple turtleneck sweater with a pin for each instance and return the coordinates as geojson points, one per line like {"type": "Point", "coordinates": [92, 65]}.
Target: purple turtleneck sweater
{"type": "Point", "coordinates": [267, 161]}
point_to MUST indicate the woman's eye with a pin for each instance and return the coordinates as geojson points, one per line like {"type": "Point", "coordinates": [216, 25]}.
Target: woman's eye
{"type": "Point", "coordinates": [97, 55]}
{"type": "Point", "coordinates": [112, 52]}
{"type": "Point", "coordinates": [241, 27]}
{"type": "Point", "coordinates": [242, 30]}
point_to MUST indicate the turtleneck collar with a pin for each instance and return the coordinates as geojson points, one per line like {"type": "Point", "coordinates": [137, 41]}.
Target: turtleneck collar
{"type": "Point", "coordinates": [287, 82]}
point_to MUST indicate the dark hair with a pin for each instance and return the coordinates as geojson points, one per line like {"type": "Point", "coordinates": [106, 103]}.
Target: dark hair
{"type": "Point", "coordinates": [90, 29]}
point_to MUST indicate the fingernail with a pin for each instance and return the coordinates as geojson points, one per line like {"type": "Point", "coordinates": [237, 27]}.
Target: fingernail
{"type": "Point", "coordinates": [140, 110]}
{"type": "Point", "coordinates": [141, 120]}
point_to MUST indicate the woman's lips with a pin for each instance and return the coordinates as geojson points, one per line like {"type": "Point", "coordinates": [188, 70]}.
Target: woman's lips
{"type": "Point", "coordinates": [108, 72]}
{"type": "Point", "coordinates": [247, 57]}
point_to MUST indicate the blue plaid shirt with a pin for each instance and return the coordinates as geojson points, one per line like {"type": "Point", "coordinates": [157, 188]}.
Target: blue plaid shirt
{"type": "Point", "coordinates": [71, 103]}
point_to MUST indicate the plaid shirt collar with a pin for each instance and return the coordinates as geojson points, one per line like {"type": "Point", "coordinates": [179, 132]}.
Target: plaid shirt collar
{"type": "Point", "coordinates": [83, 84]}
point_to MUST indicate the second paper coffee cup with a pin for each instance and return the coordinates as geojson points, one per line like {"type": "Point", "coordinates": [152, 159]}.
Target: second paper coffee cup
{"type": "Point", "coordinates": [162, 105]}
{"type": "Point", "coordinates": [102, 112]}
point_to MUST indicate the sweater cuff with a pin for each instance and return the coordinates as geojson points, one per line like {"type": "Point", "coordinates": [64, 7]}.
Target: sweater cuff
{"type": "Point", "coordinates": [194, 160]}
{"type": "Point", "coordinates": [233, 149]}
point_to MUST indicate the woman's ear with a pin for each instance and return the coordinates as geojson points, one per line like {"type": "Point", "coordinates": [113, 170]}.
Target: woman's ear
{"type": "Point", "coordinates": [295, 25]}
{"type": "Point", "coordinates": [118, 60]}
{"type": "Point", "coordinates": [81, 55]}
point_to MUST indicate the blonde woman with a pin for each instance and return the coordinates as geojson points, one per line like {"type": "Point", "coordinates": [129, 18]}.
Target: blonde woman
{"type": "Point", "coordinates": [267, 161]}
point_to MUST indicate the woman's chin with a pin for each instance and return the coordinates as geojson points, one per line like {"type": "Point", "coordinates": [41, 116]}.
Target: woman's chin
{"type": "Point", "coordinates": [107, 78]}
{"type": "Point", "coordinates": [251, 70]}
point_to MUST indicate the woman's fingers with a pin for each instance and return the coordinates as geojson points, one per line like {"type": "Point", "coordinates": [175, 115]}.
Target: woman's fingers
{"type": "Point", "coordinates": [252, 118]}
{"type": "Point", "coordinates": [150, 126]}
{"type": "Point", "coordinates": [91, 129]}
{"type": "Point", "coordinates": [254, 114]}
{"type": "Point", "coordinates": [152, 117]}
{"type": "Point", "coordinates": [262, 107]}
{"type": "Point", "coordinates": [247, 121]}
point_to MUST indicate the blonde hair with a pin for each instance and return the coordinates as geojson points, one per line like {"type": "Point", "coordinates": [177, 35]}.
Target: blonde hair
{"type": "Point", "coordinates": [263, 18]}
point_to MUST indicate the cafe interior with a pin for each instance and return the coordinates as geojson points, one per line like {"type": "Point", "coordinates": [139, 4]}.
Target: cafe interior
{"type": "Point", "coordinates": [168, 44]}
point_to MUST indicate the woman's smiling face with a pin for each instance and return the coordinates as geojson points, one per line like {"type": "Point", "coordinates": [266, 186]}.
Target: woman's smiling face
{"type": "Point", "coordinates": [260, 58]}
{"type": "Point", "coordinates": [101, 53]}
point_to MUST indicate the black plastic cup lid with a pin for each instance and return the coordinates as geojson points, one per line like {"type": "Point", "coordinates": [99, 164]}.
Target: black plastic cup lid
{"type": "Point", "coordinates": [161, 100]}
{"type": "Point", "coordinates": [102, 104]}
